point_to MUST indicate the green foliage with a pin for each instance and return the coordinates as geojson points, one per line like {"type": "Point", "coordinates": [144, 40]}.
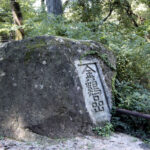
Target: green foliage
{"type": "Point", "coordinates": [132, 125]}
{"type": "Point", "coordinates": [130, 44]}
{"type": "Point", "coordinates": [85, 10]}
{"type": "Point", "coordinates": [7, 26]}
{"type": "Point", "coordinates": [133, 54]}
{"type": "Point", "coordinates": [105, 131]}
{"type": "Point", "coordinates": [135, 98]}
{"type": "Point", "coordinates": [103, 57]}
{"type": "Point", "coordinates": [132, 97]}
{"type": "Point", "coordinates": [5, 19]}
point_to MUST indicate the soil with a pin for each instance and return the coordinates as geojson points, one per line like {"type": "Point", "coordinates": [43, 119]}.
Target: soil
{"type": "Point", "coordinates": [117, 141]}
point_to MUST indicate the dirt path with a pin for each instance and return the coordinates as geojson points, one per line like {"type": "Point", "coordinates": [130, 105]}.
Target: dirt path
{"type": "Point", "coordinates": [117, 141]}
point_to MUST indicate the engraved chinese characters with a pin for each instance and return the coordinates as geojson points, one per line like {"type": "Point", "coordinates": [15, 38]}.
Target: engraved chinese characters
{"type": "Point", "coordinates": [92, 80]}
{"type": "Point", "coordinates": [93, 90]}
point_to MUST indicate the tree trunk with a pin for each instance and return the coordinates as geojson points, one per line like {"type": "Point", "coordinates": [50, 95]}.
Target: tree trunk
{"type": "Point", "coordinates": [133, 113]}
{"type": "Point", "coordinates": [42, 5]}
{"type": "Point", "coordinates": [54, 7]}
{"type": "Point", "coordinates": [110, 11]}
{"type": "Point", "coordinates": [17, 17]}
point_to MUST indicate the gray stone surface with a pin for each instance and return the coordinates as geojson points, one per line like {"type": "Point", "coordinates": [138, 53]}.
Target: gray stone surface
{"type": "Point", "coordinates": [95, 91]}
{"type": "Point", "coordinates": [40, 89]}
{"type": "Point", "coordinates": [117, 141]}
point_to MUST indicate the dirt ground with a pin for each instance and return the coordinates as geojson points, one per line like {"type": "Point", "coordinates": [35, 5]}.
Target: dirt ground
{"type": "Point", "coordinates": [118, 141]}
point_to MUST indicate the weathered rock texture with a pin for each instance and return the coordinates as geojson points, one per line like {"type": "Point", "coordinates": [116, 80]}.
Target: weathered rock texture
{"type": "Point", "coordinates": [40, 90]}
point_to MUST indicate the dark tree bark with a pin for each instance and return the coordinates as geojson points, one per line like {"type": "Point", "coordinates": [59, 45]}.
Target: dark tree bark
{"type": "Point", "coordinates": [127, 7]}
{"type": "Point", "coordinates": [42, 1]}
{"type": "Point", "coordinates": [54, 7]}
{"type": "Point", "coordinates": [130, 13]}
{"type": "Point", "coordinates": [66, 4]}
{"type": "Point", "coordinates": [17, 17]}
{"type": "Point", "coordinates": [43, 5]}
{"type": "Point", "coordinates": [133, 113]}
{"type": "Point", "coordinates": [110, 11]}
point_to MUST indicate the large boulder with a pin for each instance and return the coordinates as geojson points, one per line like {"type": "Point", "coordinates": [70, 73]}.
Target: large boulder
{"type": "Point", "coordinates": [42, 86]}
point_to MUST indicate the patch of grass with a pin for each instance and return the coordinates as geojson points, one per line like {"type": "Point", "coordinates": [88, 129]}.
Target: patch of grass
{"type": "Point", "coordinates": [105, 131]}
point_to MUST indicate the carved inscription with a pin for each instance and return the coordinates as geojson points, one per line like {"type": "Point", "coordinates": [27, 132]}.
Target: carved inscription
{"type": "Point", "coordinates": [93, 90]}
{"type": "Point", "coordinates": [92, 81]}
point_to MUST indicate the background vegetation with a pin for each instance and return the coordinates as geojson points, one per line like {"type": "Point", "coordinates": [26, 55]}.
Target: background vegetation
{"type": "Point", "coordinates": [123, 26]}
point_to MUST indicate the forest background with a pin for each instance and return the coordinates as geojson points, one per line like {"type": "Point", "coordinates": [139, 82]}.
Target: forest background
{"type": "Point", "coordinates": [123, 26]}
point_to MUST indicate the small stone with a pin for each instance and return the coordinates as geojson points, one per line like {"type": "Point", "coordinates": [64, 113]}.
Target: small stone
{"type": "Point", "coordinates": [1, 58]}
{"type": "Point", "coordinates": [41, 86]}
{"type": "Point", "coordinates": [36, 86]}
{"type": "Point", "coordinates": [79, 50]}
{"type": "Point", "coordinates": [14, 84]}
{"type": "Point", "coordinates": [60, 40]}
{"type": "Point", "coordinates": [2, 74]}
{"type": "Point", "coordinates": [78, 88]}
{"type": "Point", "coordinates": [44, 62]}
{"type": "Point", "coordinates": [93, 45]}
{"type": "Point", "coordinates": [80, 111]}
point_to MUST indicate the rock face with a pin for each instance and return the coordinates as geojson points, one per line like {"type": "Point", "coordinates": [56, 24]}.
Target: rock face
{"type": "Point", "coordinates": [42, 90]}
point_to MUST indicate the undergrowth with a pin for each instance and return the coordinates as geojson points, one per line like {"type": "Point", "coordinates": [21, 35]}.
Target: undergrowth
{"type": "Point", "coordinates": [132, 51]}
{"type": "Point", "coordinates": [130, 46]}
{"type": "Point", "coordinates": [105, 131]}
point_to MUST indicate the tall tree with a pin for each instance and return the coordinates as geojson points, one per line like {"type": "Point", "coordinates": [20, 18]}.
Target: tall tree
{"type": "Point", "coordinates": [17, 17]}
{"type": "Point", "coordinates": [124, 8]}
{"type": "Point", "coordinates": [54, 7]}
{"type": "Point", "coordinates": [42, 5]}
